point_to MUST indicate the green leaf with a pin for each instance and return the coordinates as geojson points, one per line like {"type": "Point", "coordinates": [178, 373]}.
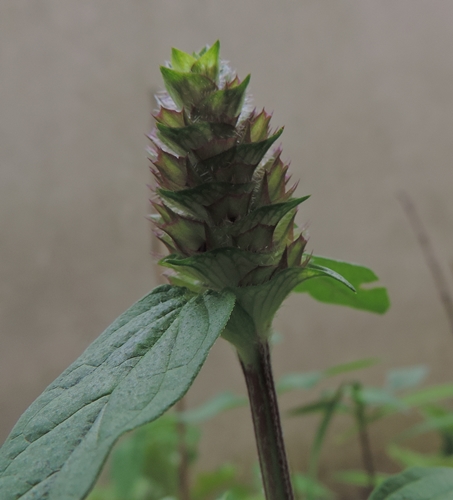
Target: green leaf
{"type": "Point", "coordinates": [139, 367]}
{"type": "Point", "coordinates": [358, 477]}
{"type": "Point", "coordinates": [304, 485]}
{"type": "Point", "coordinates": [208, 484]}
{"type": "Point", "coordinates": [308, 380]}
{"type": "Point", "coordinates": [410, 458]}
{"type": "Point", "coordinates": [319, 406]}
{"type": "Point", "coordinates": [406, 378]}
{"type": "Point", "coordinates": [418, 483]}
{"type": "Point", "coordinates": [218, 404]}
{"type": "Point", "coordinates": [321, 432]}
{"type": "Point", "coordinates": [143, 465]}
{"type": "Point", "coordinates": [299, 381]}
{"type": "Point", "coordinates": [328, 291]}
{"type": "Point", "coordinates": [359, 364]}
{"type": "Point", "coordinates": [375, 396]}
{"type": "Point", "coordinates": [435, 411]}
{"type": "Point", "coordinates": [429, 395]}
{"type": "Point", "coordinates": [433, 424]}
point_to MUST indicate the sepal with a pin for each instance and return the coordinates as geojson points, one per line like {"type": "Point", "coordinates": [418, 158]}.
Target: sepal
{"type": "Point", "coordinates": [224, 105]}
{"type": "Point", "coordinates": [261, 302]}
{"type": "Point", "coordinates": [181, 61]}
{"type": "Point", "coordinates": [225, 201]}
{"type": "Point", "coordinates": [252, 153]}
{"type": "Point", "coordinates": [208, 63]}
{"type": "Point", "coordinates": [269, 215]}
{"type": "Point", "coordinates": [171, 170]}
{"type": "Point", "coordinates": [184, 139]}
{"type": "Point", "coordinates": [170, 117]}
{"type": "Point", "coordinates": [222, 267]}
{"type": "Point", "coordinates": [186, 89]}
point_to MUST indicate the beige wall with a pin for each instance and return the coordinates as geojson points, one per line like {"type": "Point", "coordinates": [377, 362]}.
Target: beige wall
{"type": "Point", "coordinates": [364, 89]}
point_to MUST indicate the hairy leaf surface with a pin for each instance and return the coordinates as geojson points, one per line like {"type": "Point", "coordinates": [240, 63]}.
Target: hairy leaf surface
{"type": "Point", "coordinates": [139, 367]}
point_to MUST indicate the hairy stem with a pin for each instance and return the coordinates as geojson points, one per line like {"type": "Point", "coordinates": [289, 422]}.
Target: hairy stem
{"type": "Point", "coordinates": [267, 424]}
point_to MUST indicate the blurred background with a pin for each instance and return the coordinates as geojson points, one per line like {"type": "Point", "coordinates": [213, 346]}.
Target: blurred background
{"type": "Point", "coordinates": [364, 89]}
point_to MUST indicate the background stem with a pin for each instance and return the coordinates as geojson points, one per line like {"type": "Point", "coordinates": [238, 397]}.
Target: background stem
{"type": "Point", "coordinates": [183, 469]}
{"type": "Point", "coordinates": [431, 259]}
{"type": "Point", "coordinates": [267, 425]}
{"type": "Point", "coordinates": [364, 439]}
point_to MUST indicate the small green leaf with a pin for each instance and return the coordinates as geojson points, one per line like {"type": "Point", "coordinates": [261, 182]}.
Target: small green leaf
{"type": "Point", "coordinates": [375, 396]}
{"type": "Point", "coordinates": [218, 404]}
{"type": "Point", "coordinates": [359, 477]}
{"type": "Point", "coordinates": [308, 380]}
{"type": "Point", "coordinates": [143, 465]}
{"type": "Point", "coordinates": [299, 381]}
{"type": "Point", "coordinates": [418, 483]}
{"type": "Point", "coordinates": [328, 291]}
{"type": "Point", "coordinates": [433, 424]}
{"type": "Point", "coordinates": [406, 378]}
{"type": "Point", "coordinates": [139, 367]}
{"type": "Point", "coordinates": [332, 405]}
{"type": "Point", "coordinates": [428, 395]}
{"type": "Point", "coordinates": [102, 493]}
{"type": "Point", "coordinates": [411, 458]}
{"type": "Point", "coordinates": [350, 367]}
{"type": "Point", "coordinates": [304, 485]}
{"type": "Point", "coordinates": [209, 483]}
{"type": "Point", "coordinates": [320, 406]}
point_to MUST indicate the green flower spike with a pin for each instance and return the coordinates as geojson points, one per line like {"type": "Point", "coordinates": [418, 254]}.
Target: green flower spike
{"type": "Point", "coordinates": [224, 208]}
{"type": "Point", "coordinates": [225, 211]}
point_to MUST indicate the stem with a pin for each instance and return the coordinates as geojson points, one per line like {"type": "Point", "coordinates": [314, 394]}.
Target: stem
{"type": "Point", "coordinates": [321, 432]}
{"type": "Point", "coordinates": [183, 469]}
{"type": "Point", "coordinates": [432, 262]}
{"type": "Point", "coordinates": [267, 424]}
{"type": "Point", "coordinates": [364, 439]}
